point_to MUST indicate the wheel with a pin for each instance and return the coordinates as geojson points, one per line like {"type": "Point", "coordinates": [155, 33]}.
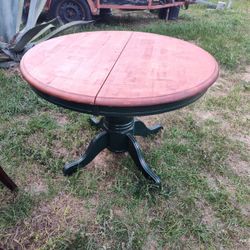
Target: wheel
{"type": "Point", "coordinates": [70, 10]}
{"type": "Point", "coordinates": [162, 14]}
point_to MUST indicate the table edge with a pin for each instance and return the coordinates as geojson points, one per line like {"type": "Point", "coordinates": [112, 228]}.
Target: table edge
{"type": "Point", "coordinates": [119, 111]}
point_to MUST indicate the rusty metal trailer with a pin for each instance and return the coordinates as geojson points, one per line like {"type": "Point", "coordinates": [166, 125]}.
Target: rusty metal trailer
{"type": "Point", "coordinates": [71, 10]}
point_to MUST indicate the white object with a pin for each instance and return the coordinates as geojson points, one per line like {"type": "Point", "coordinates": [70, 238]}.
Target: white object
{"type": "Point", "coordinates": [229, 4]}
{"type": "Point", "coordinates": [221, 5]}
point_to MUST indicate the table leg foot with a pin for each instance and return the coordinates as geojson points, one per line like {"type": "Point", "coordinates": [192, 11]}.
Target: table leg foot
{"type": "Point", "coordinates": [96, 123]}
{"type": "Point", "coordinates": [142, 130]}
{"type": "Point", "coordinates": [99, 143]}
{"type": "Point", "coordinates": [136, 154]}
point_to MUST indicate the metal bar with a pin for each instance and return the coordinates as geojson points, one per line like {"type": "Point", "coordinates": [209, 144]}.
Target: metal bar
{"type": "Point", "coordinates": [150, 3]}
{"type": "Point", "coordinates": [137, 7]}
{"type": "Point", "coordinates": [98, 5]}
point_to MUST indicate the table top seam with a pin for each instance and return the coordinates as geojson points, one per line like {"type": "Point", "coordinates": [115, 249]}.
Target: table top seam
{"type": "Point", "coordinates": [132, 33]}
{"type": "Point", "coordinates": [197, 87]}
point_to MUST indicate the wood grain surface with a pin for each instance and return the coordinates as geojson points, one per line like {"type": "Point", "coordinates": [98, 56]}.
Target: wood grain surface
{"type": "Point", "coordinates": [119, 68]}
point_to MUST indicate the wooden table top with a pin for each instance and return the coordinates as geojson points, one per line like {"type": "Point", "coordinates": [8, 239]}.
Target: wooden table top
{"type": "Point", "coordinates": [119, 68]}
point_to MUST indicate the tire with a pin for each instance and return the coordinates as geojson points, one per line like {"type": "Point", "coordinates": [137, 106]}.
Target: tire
{"type": "Point", "coordinates": [163, 13]}
{"type": "Point", "coordinates": [70, 10]}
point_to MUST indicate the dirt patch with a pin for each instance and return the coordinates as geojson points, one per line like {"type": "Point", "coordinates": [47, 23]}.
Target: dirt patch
{"type": "Point", "coordinates": [29, 180]}
{"type": "Point", "coordinates": [6, 197]}
{"type": "Point", "coordinates": [217, 182]}
{"type": "Point", "coordinates": [61, 119]}
{"type": "Point", "coordinates": [47, 221]}
{"type": "Point", "coordinates": [103, 160]}
{"type": "Point", "coordinates": [242, 138]}
{"type": "Point", "coordinates": [151, 120]}
{"type": "Point", "coordinates": [36, 188]}
{"type": "Point", "coordinates": [246, 75]}
{"type": "Point", "coordinates": [203, 116]}
{"type": "Point", "coordinates": [13, 71]}
{"type": "Point", "coordinates": [208, 216]}
{"type": "Point", "coordinates": [21, 118]}
{"type": "Point", "coordinates": [221, 87]}
{"type": "Point", "coordinates": [35, 139]}
{"type": "Point", "coordinates": [224, 84]}
{"type": "Point", "coordinates": [151, 242]}
{"type": "Point", "coordinates": [240, 167]}
{"type": "Point", "coordinates": [206, 115]}
{"type": "Point", "coordinates": [245, 210]}
{"type": "Point", "coordinates": [226, 183]}
{"type": "Point", "coordinates": [59, 150]}
{"type": "Point", "coordinates": [119, 212]}
{"type": "Point", "coordinates": [106, 164]}
{"type": "Point", "coordinates": [187, 242]}
{"type": "Point", "coordinates": [32, 180]}
{"type": "Point", "coordinates": [211, 181]}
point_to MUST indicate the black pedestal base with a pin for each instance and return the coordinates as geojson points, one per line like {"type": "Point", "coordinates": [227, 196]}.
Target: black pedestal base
{"type": "Point", "coordinates": [118, 136]}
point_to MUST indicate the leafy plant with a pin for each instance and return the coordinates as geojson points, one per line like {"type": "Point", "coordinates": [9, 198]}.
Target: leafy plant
{"type": "Point", "coordinates": [16, 38]}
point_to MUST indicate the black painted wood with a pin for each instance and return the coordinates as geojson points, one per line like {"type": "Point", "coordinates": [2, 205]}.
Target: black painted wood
{"type": "Point", "coordinates": [99, 143]}
{"type": "Point", "coordinates": [119, 127]}
{"type": "Point", "coordinates": [118, 136]}
{"type": "Point", "coordinates": [6, 180]}
{"type": "Point", "coordinates": [119, 111]}
{"type": "Point", "coordinates": [140, 129]}
{"type": "Point", "coordinates": [136, 154]}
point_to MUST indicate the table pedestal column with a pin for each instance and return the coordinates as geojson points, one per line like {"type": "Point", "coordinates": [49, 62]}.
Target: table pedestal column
{"type": "Point", "coordinates": [118, 136]}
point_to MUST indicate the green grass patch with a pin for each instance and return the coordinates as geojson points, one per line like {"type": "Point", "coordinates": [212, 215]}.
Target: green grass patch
{"type": "Point", "coordinates": [15, 211]}
{"type": "Point", "coordinates": [203, 201]}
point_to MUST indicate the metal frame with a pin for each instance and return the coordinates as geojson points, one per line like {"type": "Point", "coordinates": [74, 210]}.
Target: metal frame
{"type": "Point", "coordinates": [95, 6]}
{"type": "Point", "coordinates": [149, 6]}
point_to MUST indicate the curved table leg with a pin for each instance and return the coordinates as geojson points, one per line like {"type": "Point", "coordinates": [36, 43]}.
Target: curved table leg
{"type": "Point", "coordinates": [136, 154]}
{"type": "Point", "coordinates": [99, 143]}
{"type": "Point", "coordinates": [142, 130]}
{"type": "Point", "coordinates": [94, 122]}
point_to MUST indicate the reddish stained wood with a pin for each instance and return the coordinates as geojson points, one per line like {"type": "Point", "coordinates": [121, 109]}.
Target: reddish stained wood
{"type": "Point", "coordinates": [73, 67]}
{"type": "Point", "coordinates": [119, 68]}
{"type": "Point", "coordinates": [157, 69]}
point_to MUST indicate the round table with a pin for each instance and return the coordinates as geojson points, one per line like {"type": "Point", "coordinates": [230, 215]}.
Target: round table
{"type": "Point", "coordinates": [119, 75]}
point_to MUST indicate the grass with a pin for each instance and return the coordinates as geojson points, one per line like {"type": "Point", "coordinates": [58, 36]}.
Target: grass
{"type": "Point", "coordinates": [225, 36]}
{"type": "Point", "coordinates": [202, 157]}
